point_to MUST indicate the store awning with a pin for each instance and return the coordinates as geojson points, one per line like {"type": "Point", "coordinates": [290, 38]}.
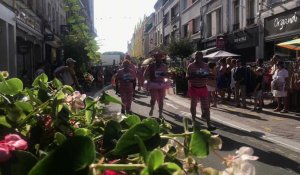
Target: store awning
{"type": "Point", "coordinates": [293, 44]}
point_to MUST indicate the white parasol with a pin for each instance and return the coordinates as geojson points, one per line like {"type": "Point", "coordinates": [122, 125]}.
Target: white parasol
{"type": "Point", "coordinates": [221, 54]}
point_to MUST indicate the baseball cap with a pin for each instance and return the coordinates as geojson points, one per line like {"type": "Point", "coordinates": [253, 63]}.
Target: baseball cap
{"type": "Point", "coordinates": [70, 60]}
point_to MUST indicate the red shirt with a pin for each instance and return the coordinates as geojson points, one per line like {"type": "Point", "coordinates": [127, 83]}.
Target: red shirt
{"type": "Point", "coordinates": [197, 74]}
{"type": "Point", "coordinates": [126, 77]}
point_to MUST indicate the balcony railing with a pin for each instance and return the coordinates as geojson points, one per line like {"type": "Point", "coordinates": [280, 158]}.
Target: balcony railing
{"type": "Point", "coordinates": [250, 21]}
{"type": "Point", "coordinates": [236, 26]}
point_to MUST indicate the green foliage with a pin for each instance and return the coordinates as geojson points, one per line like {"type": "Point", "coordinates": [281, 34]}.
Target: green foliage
{"type": "Point", "coordinates": [180, 48]}
{"type": "Point", "coordinates": [11, 87]}
{"type": "Point", "coordinates": [199, 145]}
{"type": "Point", "coordinates": [72, 156]}
{"type": "Point", "coordinates": [80, 43]}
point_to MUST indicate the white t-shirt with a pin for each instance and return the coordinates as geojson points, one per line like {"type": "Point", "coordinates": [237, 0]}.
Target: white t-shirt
{"type": "Point", "coordinates": [67, 78]}
{"type": "Point", "coordinates": [281, 75]}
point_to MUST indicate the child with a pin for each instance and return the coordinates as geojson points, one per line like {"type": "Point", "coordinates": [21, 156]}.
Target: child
{"type": "Point", "coordinates": [212, 83]}
{"type": "Point", "coordinates": [258, 100]}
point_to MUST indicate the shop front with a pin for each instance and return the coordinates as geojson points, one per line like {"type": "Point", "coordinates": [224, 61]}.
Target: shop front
{"type": "Point", "coordinates": [281, 28]}
{"type": "Point", "coordinates": [244, 43]}
{"type": "Point", "coordinates": [282, 37]}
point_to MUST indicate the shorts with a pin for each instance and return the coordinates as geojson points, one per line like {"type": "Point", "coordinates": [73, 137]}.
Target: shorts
{"type": "Point", "coordinates": [258, 94]}
{"type": "Point", "coordinates": [198, 92]}
{"type": "Point", "coordinates": [277, 93]}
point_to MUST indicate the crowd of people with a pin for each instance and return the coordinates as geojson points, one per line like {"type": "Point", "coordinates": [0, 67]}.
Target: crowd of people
{"type": "Point", "coordinates": [228, 79]}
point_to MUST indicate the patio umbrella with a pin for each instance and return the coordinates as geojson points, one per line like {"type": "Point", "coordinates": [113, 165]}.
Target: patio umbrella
{"type": "Point", "coordinates": [148, 61]}
{"type": "Point", "coordinates": [293, 44]}
{"type": "Point", "coordinates": [221, 54]}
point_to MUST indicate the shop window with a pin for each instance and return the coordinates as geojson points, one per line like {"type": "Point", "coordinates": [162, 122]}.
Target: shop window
{"type": "Point", "coordinates": [218, 21]}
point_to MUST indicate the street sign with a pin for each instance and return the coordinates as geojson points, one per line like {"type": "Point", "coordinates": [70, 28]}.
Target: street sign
{"type": "Point", "coordinates": [49, 37]}
{"type": "Point", "coordinates": [23, 48]}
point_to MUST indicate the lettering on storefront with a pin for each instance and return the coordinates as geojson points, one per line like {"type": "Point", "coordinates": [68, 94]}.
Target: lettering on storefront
{"type": "Point", "coordinates": [240, 39]}
{"type": "Point", "coordinates": [282, 22]}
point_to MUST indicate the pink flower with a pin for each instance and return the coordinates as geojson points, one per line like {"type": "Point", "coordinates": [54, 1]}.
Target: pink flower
{"type": "Point", "coordinates": [4, 152]}
{"type": "Point", "coordinates": [76, 100]}
{"type": "Point", "coordinates": [15, 142]}
{"type": "Point", "coordinates": [109, 172]}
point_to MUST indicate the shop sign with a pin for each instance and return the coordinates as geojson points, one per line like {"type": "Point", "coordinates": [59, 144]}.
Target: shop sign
{"type": "Point", "coordinates": [49, 37]}
{"type": "Point", "coordinates": [23, 48]}
{"type": "Point", "coordinates": [29, 20]}
{"type": "Point", "coordinates": [244, 39]}
{"type": "Point", "coordinates": [283, 22]}
{"type": "Point", "coordinates": [240, 39]}
{"type": "Point", "coordinates": [220, 43]}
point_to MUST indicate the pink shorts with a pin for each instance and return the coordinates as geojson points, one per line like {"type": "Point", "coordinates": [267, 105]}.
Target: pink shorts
{"type": "Point", "coordinates": [158, 85]}
{"type": "Point", "coordinates": [200, 92]}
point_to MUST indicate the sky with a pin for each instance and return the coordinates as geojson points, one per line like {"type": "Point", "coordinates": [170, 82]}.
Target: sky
{"type": "Point", "coordinates": [115, 21]}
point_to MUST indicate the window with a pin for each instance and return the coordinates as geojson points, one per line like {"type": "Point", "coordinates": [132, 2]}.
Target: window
{"type": "Point", "coordinates": [185, 30]}
{"type": "Point", "coordinates": [185, 4]}
{"type": "Point", "coordinates": [251, 12]}
{"type": "Point", "coordinates": [175, 11]}
{"type": "Point", "coordinates": [273, 2]}
{"type": "Point", "coordinates": [208, 23]}
{"type": "Point", "coordinates": [196, 25]}
{"type": "Point", "coordinates": [218, 21]}
{"type": "Point", "coordinates": [236, 9]}
{"type": "Point", "coordinates": [166, 19]}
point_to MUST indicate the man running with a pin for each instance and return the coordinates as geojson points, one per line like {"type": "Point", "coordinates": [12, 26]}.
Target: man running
{"type": "Point", "coordinates": [197, 75]}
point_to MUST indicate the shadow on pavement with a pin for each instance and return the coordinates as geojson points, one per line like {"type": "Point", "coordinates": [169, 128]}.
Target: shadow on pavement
{"type": "Point", "coordinates": [238, 113]}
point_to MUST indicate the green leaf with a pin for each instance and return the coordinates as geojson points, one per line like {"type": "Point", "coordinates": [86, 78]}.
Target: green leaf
{"type": "Point", "coordinates": [40, 80]}
{"type": "Point", "coordinates": [109, 99]}
{"type": "Point", "coordinates": [199, 144]}
{"type": "Point", "coordinates": [147, 130]}
{"type": "Point", "coordinates": [82, 132]}
{"type": "Point", "coordinates": [130, 121]}
{"type": "Point", "coordinates": [75, 154]}
{"type": "Point", "coordinates": [15, 114]}
{"type": "Point", "coordinates": [156, 159]}
{"type": "Point", "coordinates": [143, 149]}
{"type": "Point", "coordinates": [57, 83]}
{"type": "Point", "coordinates": [59, 138]}
{"type": "Point", "coordinates": [89, 110]}
{"type": "Point", "coordinates": [11, 87]}
{"type": "Point", "coordinates": [19, 164]}
{"type": "Point", "coordinates": [67, 89]}
{"type": "Point", "coordinates": [25, 106]}
{"type": "Point", "coordinates": [4, 122]}
{"type": "Point", "coordinates": [145, 171]}
{"type": "Point", "coordinates": [112, 133]}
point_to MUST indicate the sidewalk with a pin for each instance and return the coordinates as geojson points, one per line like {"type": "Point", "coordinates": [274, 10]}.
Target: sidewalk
{"type": "Point", "coordinates": [283, 129]}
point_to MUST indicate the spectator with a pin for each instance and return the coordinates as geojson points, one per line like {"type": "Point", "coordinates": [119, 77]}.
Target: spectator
{"type": "Point", "coordinates": [257, 94]}
{"type": "Point", "coordinates": [279, 87]}
{"type": "Point", "coordinates": [212, 83]}
{"type": "Point", "coordinates": [40, 70]}
{"type": "Point", "coordinates": [240, 85]}
{"type": "Point", "coordinates": [221, 78]}
{"type": "Point", "coordinates": [67, 73]}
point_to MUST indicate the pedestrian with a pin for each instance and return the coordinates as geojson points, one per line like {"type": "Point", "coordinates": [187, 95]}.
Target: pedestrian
{"type": "Point", "coordinates": [227, 76]}
{"type": "Point", "coordinates": [257, 94]}
{"type": "Point", "coordinates": [140, 76]}
{"type": "Point", "coordinates": [197, 75]}
{"type": "Point", "coordinates": [40, 69]}
{"type": "Point", "coordinates": [157, 85]}
{"type": "Point", "coordinates": [240, 85]}
{"type": "Point", "coordinates": [212, 83]}
{"type": "Point", "coordinates": [133, 68]}
{"type": "Point", "coordinates": [233, 70]}
{"type": "Point", "coordinates": [125, 77]}
{"type": "Point", "coordinates": [100, 78]}
{"type": "Point", "coordinates": [67, 73]}
{"type": "Point", "coordinates": [221, 78]}
{"type": "Point", "coordinates": [279, 87]}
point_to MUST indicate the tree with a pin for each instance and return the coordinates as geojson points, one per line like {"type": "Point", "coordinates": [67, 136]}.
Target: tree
{"type": "Point", "coordinates": [180, 48]}
{"type": "Point", "coordinates": [79, 43]}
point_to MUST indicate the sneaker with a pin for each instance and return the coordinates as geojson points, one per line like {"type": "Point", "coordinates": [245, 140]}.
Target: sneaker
{"type": "Point", "coordinates": [151, 112]}
{"type": "Point", "coordinates": [284, 111]}
{"type": "Point", "coordinates": [276, 110]}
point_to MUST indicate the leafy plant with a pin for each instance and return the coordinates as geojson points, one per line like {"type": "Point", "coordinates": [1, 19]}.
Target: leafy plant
{"type": "Point", "coordinates": [59, 131]}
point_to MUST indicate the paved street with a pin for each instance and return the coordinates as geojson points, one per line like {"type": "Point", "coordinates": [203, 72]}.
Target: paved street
{"type": "Point", "coordinates": [278, 151]}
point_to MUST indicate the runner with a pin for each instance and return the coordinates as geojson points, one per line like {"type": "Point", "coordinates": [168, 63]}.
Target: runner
{"type": "Point", "coordinates": [197, 74]}
{"type": "Point", "coordinates": [157, 72]}
{"type": "Point", "coordinates": [125, 77]}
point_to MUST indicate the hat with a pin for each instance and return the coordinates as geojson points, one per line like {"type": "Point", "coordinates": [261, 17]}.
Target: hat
{"type": "Point", "coordinates": [70, 60]}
